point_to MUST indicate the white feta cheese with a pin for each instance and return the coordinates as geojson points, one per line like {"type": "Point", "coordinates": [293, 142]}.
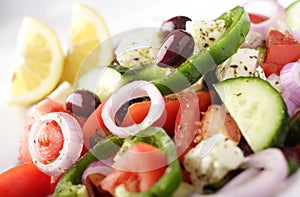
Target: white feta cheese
{"type": "Point", "coordinates": [138, 48]}
{"type": "Point", "coordinates": [205, 33]}
{"type": "Point", "coordinates": [259, 72]}
{"type": "Point", "coordinates": [274, 80]}
{"type": "Point", "coordinates": [242, 63]}
{"type": "Point", "coordinates": [209, 162]}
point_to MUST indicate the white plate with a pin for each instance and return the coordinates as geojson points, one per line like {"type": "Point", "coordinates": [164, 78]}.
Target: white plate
{"type": "Point", "coordinates": [120, 15]}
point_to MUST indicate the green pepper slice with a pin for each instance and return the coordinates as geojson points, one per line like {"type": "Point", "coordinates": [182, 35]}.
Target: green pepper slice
{"type": "Point", "coordinates": [237, 27]}
{"type": "Point", "coordinates": [70, 184]}
{"type": "Point", "coordinates": [172, 177]}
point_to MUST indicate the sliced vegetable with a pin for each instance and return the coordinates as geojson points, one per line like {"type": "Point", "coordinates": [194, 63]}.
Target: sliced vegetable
{"type": "Point", "coordinates": [94, 127]}
{"type": "Point", "coordinates": [187, 123]}
{"type": "Point", "coordinates": [260, 177]}
{"type": "Point", "coordinates": [72, 146]}
{"type": "Point", "coordinates": [99, 170]}
{"type": "Point", "coordinates": [257, 18]}
{"type": "Point", "coordinates": [281, 49]}
{"type": "Point", "coordinates": [25, 180]}
{"type": "Point", "coordinates": [135, 89]}
{"type": "Point", "coordinates": [43, 107]}
{"type": "Point", "coordinates": [102, 80]}
{"type": "Point", "coordinates": [290, 80]}
{"type": "Point", "coordinates": [138, 111]}
{"type": "Point", "coordinates": [71, 182]}
{"type": "Point", "coordinates": [293, 15]}
{"type": "Point", "coordinates": [139, 176]}
{"type": "Point", "coordinates": [268, 177]}
{"type": "Point", "coordinates": [170, 180]}
{"type": "Point", "coordinates": [274, 16]}
{"type": "Point", "coordinates": [189, 72]}
{"type": "Point", "coordinates": [252, 100]}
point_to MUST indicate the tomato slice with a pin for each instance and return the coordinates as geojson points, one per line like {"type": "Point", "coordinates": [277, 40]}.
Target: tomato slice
{"type": "Point", "coordinates": [138, 169]}
{"type": "Point", "coordinates": [50, 139]}
{"type": "Point", "coordinates": [281, 49]}
{"type": "Point", "coordinates": [138, 111]}
{"type": "Point", "coordinates": [94, 126]}
{"type": "Point", "coordinates": [257, 18]}
{"type": "Point", "coordinates": [25, 180]}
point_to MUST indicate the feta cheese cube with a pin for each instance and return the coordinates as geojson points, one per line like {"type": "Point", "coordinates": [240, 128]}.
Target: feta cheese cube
{"type": "Point", "coordinates": [242, 63]}
{"type": "Point", "coordinates": [138, 48]}
{"type": "Point", "coordinates": [212, 159]}
{"type": "Point", "coordinates": [205, 33]}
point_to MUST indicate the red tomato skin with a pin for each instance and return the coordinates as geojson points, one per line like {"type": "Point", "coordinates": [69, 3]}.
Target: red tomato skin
{"type": "Point", "coordinates": [93, 125]}
{"type": "Point", "coordinates": [25, 180]}
{"type": "Point", "coordinates": [138, 111]}
{"type": "Point", "coordinates": [186, 124]}
{"type": "Point", "coordinates": [257, 18]}
{"type": "Point", "coordinates": [138, 176]}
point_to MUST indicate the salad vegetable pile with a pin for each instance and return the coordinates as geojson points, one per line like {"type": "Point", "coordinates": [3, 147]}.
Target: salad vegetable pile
{"type": "Point", "coordinates": [198, 108]}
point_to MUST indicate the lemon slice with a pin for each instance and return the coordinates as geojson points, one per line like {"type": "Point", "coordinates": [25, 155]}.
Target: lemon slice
{"type": "Point", "coordinates": [89, 43]}
{"type": "Point", "coordinates": [40, 63]}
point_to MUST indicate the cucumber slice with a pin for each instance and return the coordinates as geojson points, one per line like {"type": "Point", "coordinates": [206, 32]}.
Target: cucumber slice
{"type": "Point", "coordinates": [293, 15]}
{"type": "Point", "coordinates": [257, 108]}
{"type": "Point", "coordinates": [105, 80]}
{"type": "Point", "coordinates": [101, 80]}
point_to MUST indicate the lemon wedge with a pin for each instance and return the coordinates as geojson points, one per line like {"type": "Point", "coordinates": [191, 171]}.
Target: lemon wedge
{"type": "Point", "coordinates": [40, 63]}
{"type": "Point", "coordinates": [89, 43]}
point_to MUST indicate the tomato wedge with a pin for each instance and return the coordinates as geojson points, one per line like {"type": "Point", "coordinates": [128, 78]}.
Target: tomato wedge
{"type": "Point", "coordinates": [25, 180]}
{"type": "Point", "coordinates": [281, 49]}
{"type": "Point", "coordinates": [138, 169]}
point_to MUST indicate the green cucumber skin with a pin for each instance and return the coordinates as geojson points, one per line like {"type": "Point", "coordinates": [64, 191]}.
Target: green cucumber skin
{"type": "Point", "coordinates": [277, 139]}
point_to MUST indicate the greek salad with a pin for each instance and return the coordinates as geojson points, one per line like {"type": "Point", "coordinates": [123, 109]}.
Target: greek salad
{"type": "Point", "coordinates": [192, 108]}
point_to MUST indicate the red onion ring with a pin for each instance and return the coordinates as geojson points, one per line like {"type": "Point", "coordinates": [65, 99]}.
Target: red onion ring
{"type": "Point", "coordinates": [274, 169]}
{"type": "Point", "coordinates": [290, 80]}
{"type": "Point", "coordinates": [71, 150]}
{"type": "Point", "coordinates": [272, 9]}
{"type": "Point", "coordinates": [291, 106]}
{"type": "Point", "coordinates": [241, 178]}
{"type": "Point", "coordinates": [98, 167]}
{"type": "Point", "coordinates": [135, 89]}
